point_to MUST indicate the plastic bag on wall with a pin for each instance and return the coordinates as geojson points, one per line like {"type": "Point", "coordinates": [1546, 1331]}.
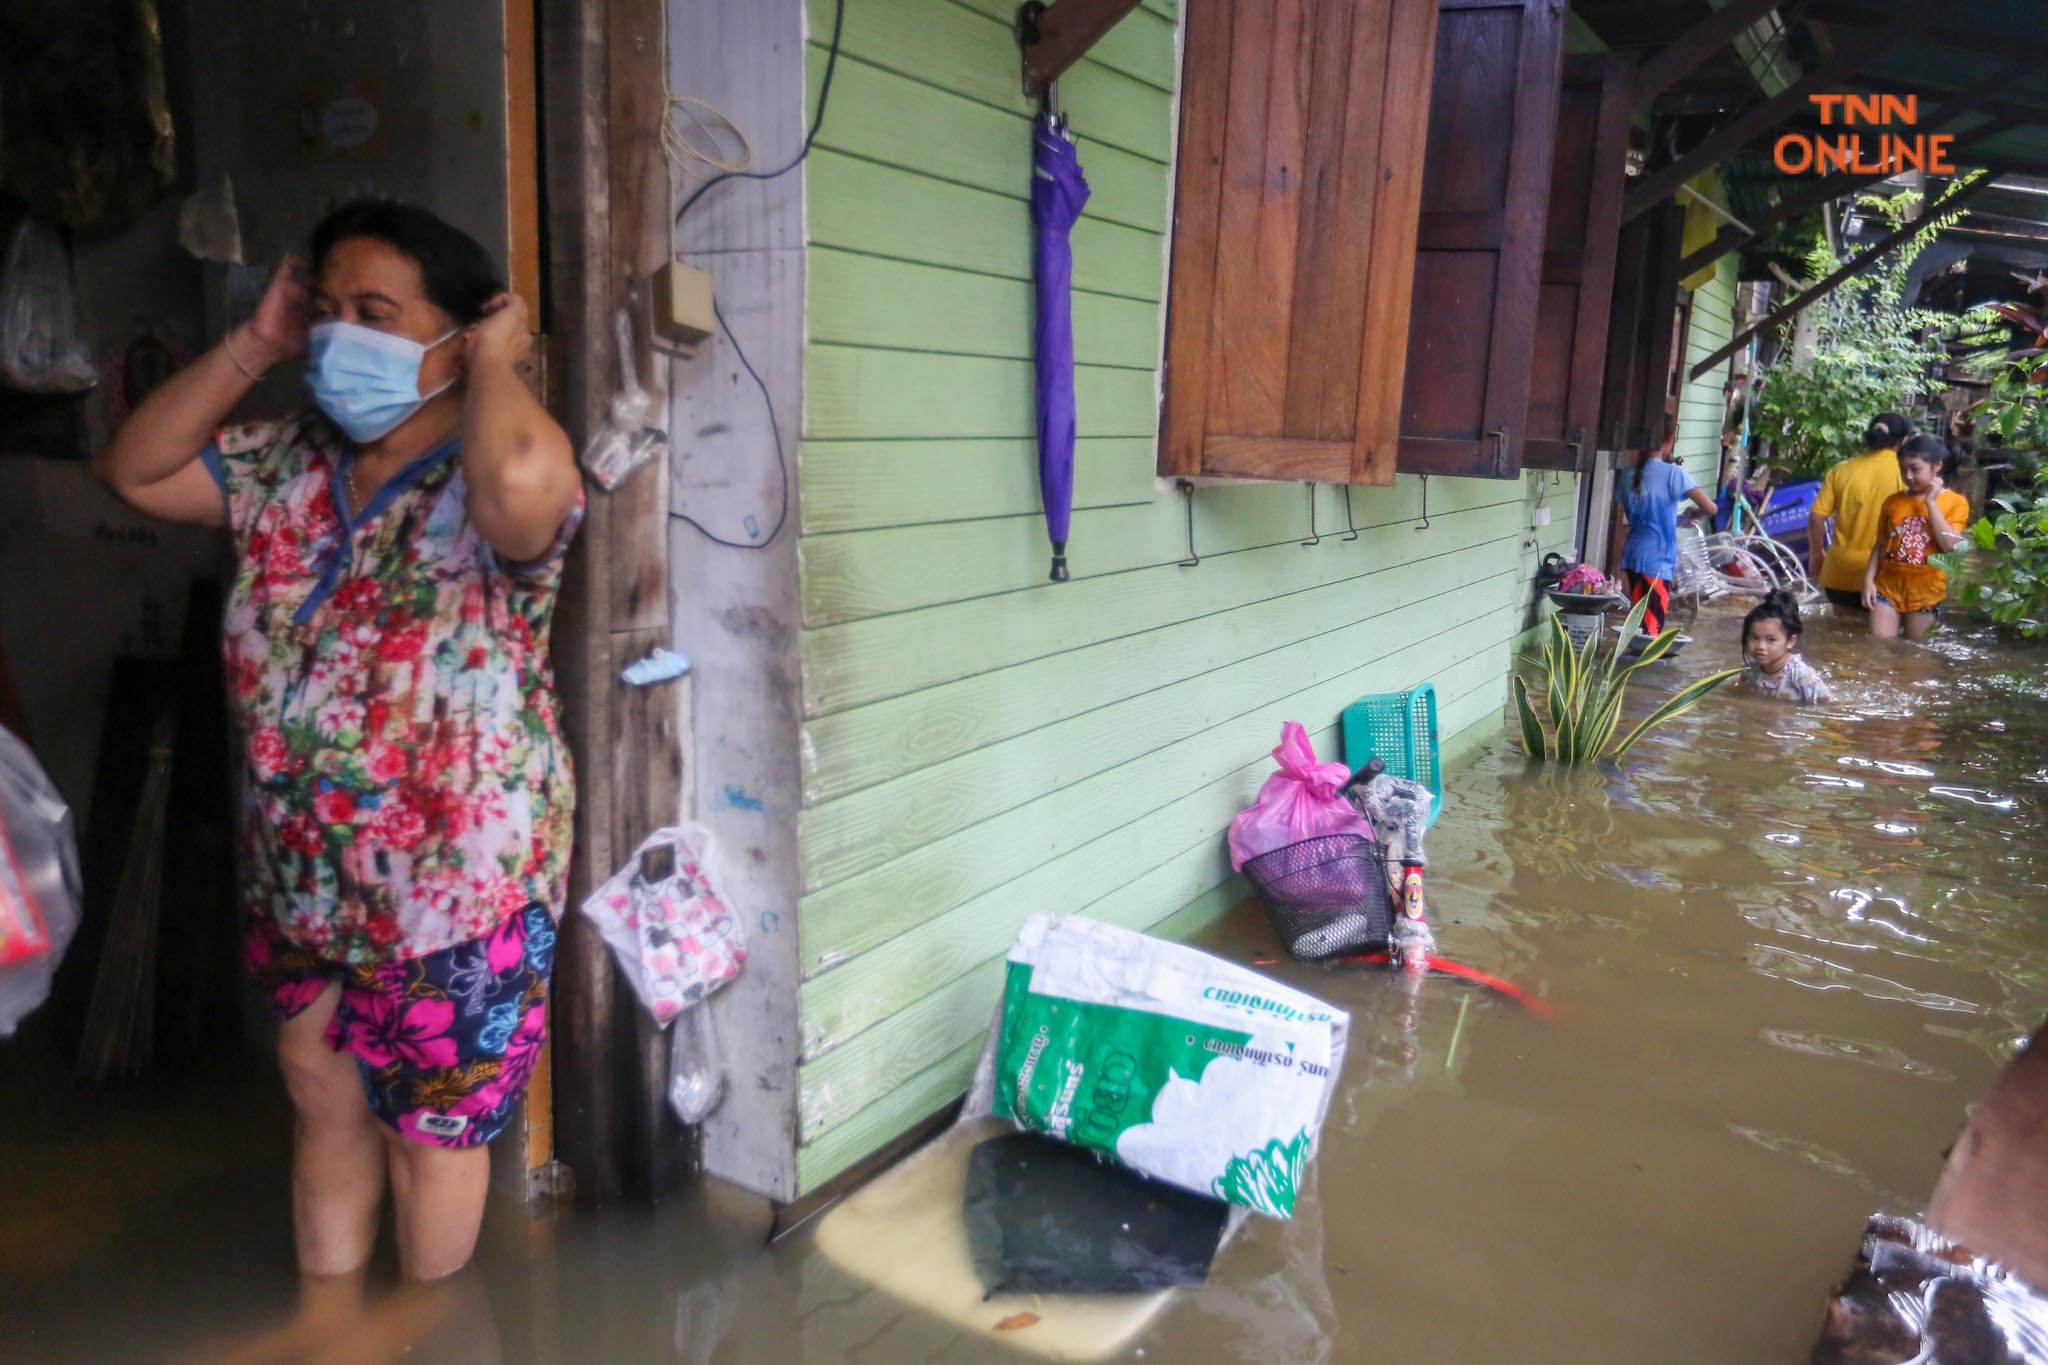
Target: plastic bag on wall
{"type": "Point", "coordinates": [696, 1066]}
{"type": "Point", "coordinates": [39, 882]}
{"type": "Point", "coordinates": [40, 349]}
{"type": "Point", "coordinates": [675, 940]}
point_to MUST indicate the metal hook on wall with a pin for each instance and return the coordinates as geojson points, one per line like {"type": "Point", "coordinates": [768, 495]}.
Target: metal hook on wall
{"type": "Point", "coordinates": [1423, 525]}
{"type": "Point", "coordinates": [1314, 537]}
{"type": "Point", "coordinates": [1349, 524]}
{"type": "Point", "coordinates": [1187, 492]}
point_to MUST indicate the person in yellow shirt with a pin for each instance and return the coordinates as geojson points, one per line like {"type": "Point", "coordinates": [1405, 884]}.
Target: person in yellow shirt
{"type": "Point", "coordinates": [1850, 496]}
{"type": "Point", "coordinates": [1899, 586]}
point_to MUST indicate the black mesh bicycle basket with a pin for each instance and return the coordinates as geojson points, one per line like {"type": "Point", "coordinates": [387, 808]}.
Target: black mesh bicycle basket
{"type": "Point", "coordinates": [1325, 896]}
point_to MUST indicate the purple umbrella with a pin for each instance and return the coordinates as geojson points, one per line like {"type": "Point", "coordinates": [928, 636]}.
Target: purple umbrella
{"type": "Point", "coordinates": [1058, 190]}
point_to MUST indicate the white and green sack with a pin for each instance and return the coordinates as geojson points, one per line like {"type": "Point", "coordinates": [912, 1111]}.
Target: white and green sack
{"type": "Point", "coordinates": [1182, 1066]}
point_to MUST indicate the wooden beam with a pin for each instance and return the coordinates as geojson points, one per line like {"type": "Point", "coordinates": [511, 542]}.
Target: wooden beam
{"type": "Point", "coordinates": [1990, 97]}
{"type": "Point", "coordinates": [1859, 14]}
{"type": "Point", "coordinates": [1738, 132]}
{"type": "Point", "coordinates": [573, 75]}
{"type": "Point", "coordinates": [1830, 188]}
{"type": "Point", "coordinates": [1684, 54]}
{"type": "Point", "coordinates": [1063, 34]}
{"type": "Point", "coordinates": [1885, 245]}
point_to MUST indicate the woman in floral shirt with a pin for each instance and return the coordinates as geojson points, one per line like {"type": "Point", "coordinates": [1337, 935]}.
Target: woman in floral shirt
{"type": "Point", "coordinates": [407, 791]}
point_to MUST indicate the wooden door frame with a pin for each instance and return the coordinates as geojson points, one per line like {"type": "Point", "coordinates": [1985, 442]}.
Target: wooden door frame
{"type": "Point", "coordinates": [601, 222]}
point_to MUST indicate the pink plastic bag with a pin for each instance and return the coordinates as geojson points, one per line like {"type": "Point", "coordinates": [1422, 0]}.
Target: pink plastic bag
{"type": "Point", "coordinates": [1299, 802]}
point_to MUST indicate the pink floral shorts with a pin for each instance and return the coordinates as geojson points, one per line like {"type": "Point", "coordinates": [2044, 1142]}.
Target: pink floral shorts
{"type": "Point", "coordinates": [445, 1042]}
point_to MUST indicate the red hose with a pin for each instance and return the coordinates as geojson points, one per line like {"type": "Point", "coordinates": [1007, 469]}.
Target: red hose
{"type": "Point", "coordinates": [1536, 1005]}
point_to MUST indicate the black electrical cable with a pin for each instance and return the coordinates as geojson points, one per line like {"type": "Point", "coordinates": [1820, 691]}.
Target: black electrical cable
{"type": "Point", "coordinates": [767, 399]}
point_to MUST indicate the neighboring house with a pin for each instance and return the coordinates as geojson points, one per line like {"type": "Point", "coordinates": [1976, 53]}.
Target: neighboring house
{"type": "Point", "coordinates": [904, 737]}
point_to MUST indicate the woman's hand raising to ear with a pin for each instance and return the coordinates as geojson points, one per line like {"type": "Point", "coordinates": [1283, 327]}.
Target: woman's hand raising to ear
{"type": "Point", "coordinates": [503, 332]}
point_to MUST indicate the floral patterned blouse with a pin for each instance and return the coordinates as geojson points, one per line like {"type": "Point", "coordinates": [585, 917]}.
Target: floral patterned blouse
{"type": "Point", "coordinates": [406, 786]}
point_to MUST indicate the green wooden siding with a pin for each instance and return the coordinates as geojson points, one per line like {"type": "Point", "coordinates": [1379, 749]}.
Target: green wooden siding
{"type": "Point", "coordinates": [1700, 401]}
{"type": "Point", "coordinates": [980, 745]}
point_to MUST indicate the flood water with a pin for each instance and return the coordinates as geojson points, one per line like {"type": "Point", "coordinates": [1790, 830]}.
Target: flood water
{"type": "Point", "coordinates": [1786, 949]}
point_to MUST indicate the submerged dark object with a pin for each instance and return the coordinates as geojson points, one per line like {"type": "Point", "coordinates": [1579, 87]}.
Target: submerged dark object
{"type": "Point", "coordinates": [1044, 1217]}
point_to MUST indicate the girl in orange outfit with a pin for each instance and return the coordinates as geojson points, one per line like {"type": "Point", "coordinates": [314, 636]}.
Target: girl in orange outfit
{"type": "Point", "coordinates": [1899, 585]}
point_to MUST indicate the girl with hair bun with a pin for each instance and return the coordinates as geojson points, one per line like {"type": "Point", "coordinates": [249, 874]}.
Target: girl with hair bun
{"type": "Point", "coordinates": [1770, 643]}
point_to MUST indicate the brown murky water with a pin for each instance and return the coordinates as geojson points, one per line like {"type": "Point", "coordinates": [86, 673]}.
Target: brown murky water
{"type": "Point", "coordinates": [1787, 948]}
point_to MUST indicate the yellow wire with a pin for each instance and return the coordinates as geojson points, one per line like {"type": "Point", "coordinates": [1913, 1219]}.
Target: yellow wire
{"type": "Point", "coordinates": [685, 154]}
{"type": "Point", "coordinates": [688, 154]}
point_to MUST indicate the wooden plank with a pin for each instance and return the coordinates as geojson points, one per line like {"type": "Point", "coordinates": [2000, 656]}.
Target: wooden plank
{"type": "Point", "coordinates": [852, 750]}
{"type": "Point", "coordinates": [1315, 310]}
{"type": "Point", "coordinates": [1253, 343]}
{"type": "Point", "coordinates": [1583, 222]}
{"type": "Point", "coordinates": [1278, 457]}
{"type": "Point", "coordinates": [940, 876]}
{"type": "Point", "coordinates": [899, 1111]}
{"type": "Point", "coordinates": [1240, 303]}
{"type": "Point", "coordinates": [1738, 132]}
{"type": "Point", "coordinates": [886, 820]}
{"type": "Point", "coordinates": [901, 568]}
{"type": "Point", "coordinates": [959, 51]}
{"type": "Point", "coordinates": [1191, 318]}
{"type": "Point", "coordinates": [1340, 182]}
{"type": "Point", "coordinates": [573, 76]}
{"type": "Point", "coordinates": [888, 212]}
{"type": "Point", "coordinates": [857, 300]}
{"type": "Point", "coordinates": [866, 485]}
{"type": "Point", "coordinates": [522, 157]}
{"type": "Point", "coordinates": [1492, 127]}
{"type": "Point", "coordinates": [1404, 134]}
{"type": "Point", "coordinates": [638, 220]}
{"type": "Point", "coordinates": [855, 393]}
{"type": "Point", "coordinates": [644, 768]}
{"type": "Point", "coordinates": [1065, 31]}
{"type": "Point", "coordinates": [923, 1029]}
{"type": "Point", "coordinates": [892, 655]}
{"type": "Point", "coordinates": [1672, 62]}
{"type": "Point", "coordinates": [884, 117]}
{"type": "Point", "coordinates": [1069, 742]}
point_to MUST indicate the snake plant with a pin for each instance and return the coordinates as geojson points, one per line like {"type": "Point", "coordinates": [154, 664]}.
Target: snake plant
{"type": "Point", "coordinates": [1583, 694]}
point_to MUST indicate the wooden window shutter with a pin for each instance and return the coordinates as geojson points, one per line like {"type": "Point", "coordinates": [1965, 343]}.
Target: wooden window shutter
{"type": "Point", "coordinates": [1302, 125]}
{"type": "Point", "coordinates": [1588, 172]}
{"type": "Point", "coordinates": [1479, 250]}
{"type": "Point", "coordinates": [1639, 329]}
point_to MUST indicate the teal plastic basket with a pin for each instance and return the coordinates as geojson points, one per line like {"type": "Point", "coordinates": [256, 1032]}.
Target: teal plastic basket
{"type": "Point", "coordinates": [1400, 727]}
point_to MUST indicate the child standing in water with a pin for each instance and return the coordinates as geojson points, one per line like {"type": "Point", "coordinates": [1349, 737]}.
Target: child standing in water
{"type": "Point", "coordinates": [1899, 586]}
{"type": "Point", "coordinates": [1649, 499]}
{"type": "Point", "coordinates": [1770, 641]}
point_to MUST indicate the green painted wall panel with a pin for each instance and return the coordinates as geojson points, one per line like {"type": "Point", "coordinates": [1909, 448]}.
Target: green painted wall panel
{"type": "Point", "coordinates": [980, 745]}
{"type": "Point", "coordinates": [880, 116]}
{"type": "Point", "coordinates": [858, 300]}
{"type": "Point", "coordinates": [866, 485]}
{"type": "Point", "coordinates": [852, 392]}
{"type": "Point", "coordinates": [896, 214]}
{"type": "Point", "coordinates": [1701, 401]}
{"type": "Point", "coordinates": [965, 53]}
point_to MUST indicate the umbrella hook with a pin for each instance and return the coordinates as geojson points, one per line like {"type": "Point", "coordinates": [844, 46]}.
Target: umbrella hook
{"type": "Point", "coordinates": [1423, 525]}
{"type": "Point", "coordinates": [1349, 524]}
{"type": "Point", "coordinates": [1187, 492]}
{"type": "Point", "coordinates": [1314, 538]}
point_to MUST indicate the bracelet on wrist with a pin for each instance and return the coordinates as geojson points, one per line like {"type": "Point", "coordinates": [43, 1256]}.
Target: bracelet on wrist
{"type": "Point", "coordinates": [227, 343]}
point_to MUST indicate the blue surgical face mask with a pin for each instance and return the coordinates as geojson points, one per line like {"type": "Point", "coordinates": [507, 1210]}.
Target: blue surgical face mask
{"type": "Point", "coordinates": [367, 381]}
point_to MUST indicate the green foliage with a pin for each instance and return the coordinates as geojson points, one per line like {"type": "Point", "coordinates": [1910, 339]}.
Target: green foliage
{"type": "Point", "coordinates": [2008, 576]}
{"type": "Point", "coordinates": [1583, 696]}
{"type": "Point", "coordinates": [2016, 409]}
{"type": "Point", "coordinates": [1871, 353]}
